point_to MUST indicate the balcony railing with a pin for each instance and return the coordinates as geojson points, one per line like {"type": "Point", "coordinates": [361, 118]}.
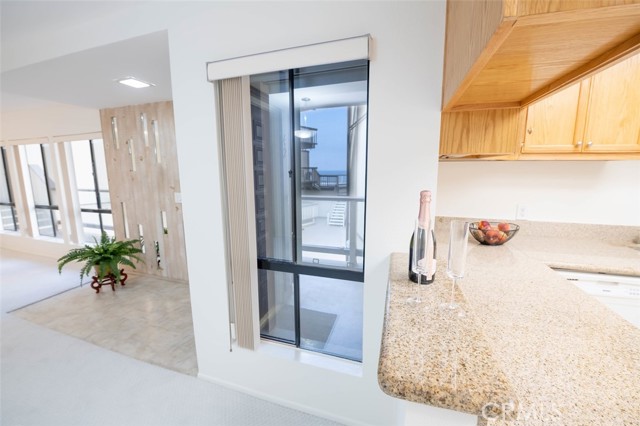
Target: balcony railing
{"type": "Point", "coordinates": [312, 179]}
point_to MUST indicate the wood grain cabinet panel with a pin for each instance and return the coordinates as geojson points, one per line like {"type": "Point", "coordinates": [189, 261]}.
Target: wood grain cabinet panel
{"type": "Point", "coordinates": [613, 115]}
{"type": "Point", "coordinates": [510, 53]}
{"type": "Point", "coordinates": [551, 123]}
{"type": "Point", "coordinates": [599, 115]}
{"type": "Point", "coordinates": [486, 133]}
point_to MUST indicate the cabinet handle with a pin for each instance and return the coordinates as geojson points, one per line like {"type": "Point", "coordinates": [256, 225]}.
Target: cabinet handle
{"type": "Point", "coordinates": [579, 144]}
{"type": "Point", "coordinates": [589, 144]}
{"type": "Point", "coordinates": [529, 130]}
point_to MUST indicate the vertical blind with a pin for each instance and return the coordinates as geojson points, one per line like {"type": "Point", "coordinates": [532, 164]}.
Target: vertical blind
{"type": "Point", "coordinates": [236, 155]}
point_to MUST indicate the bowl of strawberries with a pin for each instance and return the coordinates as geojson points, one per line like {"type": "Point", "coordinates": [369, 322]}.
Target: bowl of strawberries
{"type": "Point", "coordinates": [493, 233]}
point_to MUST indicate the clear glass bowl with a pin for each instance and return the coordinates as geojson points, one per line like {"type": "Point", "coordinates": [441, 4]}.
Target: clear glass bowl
{"type": "Point", "coordinates": [493, 233]}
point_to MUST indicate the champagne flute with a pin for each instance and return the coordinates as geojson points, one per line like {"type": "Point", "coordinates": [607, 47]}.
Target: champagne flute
{"type": "Point", "coordinates": [458, 238]}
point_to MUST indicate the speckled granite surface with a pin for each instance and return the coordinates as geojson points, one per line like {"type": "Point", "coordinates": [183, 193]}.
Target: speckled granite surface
{"type": "Point", "coordinates": [527, 336]}
{"type": "Point", "coordinates": [449, 362]}
{"type": "Point", "coordinates": [582, 247]}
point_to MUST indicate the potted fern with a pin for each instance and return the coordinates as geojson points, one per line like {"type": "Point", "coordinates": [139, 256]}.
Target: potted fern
{"type": "Point", "coordinates": [105, 257]}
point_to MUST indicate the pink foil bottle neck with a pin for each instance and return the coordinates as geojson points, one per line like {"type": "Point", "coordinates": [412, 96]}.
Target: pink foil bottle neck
{"type": "Point", "coordinates": [425, 201]}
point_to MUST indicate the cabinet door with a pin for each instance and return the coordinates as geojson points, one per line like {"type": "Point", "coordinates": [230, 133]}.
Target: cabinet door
{"type": "Point", "coordinates": [613, 118]}
{"type": "Point", "coordinates": [479, 133]}
{"type": "Point", "coordinates": [552, 123]}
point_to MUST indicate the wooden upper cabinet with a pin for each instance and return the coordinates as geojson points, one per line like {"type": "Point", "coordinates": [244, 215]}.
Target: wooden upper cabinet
{"type": "Point", "coordinates": [599, 115]}
{"type": "Point", "coordinates": [510, 53]}
{"type": "Point", "coordinates": [487, 134]}
{"type": "Point", "coordinates": [613, 115]}
{"type": "Point", "coordinates": [551, 123]}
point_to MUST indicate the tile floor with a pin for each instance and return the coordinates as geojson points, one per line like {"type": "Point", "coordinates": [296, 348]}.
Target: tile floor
{"type": "Point", "coordinates": [148, 319]}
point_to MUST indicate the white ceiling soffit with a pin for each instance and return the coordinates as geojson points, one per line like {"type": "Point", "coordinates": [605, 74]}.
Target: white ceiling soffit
{"type": "Point", "coordinates": [88, 78]}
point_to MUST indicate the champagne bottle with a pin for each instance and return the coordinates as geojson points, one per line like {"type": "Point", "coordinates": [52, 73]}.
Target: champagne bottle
{"type": "Point", "coordinates": [422, 249]}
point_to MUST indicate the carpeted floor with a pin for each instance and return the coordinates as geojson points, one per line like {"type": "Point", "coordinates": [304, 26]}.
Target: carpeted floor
{"type": "Point", "coordinates": [48, 378]}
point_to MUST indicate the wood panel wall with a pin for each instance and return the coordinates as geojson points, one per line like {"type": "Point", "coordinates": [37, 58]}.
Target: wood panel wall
{"type": "Point", "coordinates": [140, 149]}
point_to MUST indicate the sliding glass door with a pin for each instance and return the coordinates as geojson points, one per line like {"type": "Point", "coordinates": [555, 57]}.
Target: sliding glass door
{"type": "Point", "coordinates": [309, 129]}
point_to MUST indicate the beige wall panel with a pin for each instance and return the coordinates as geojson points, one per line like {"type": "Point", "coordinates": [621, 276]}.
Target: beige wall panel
{"type": "Point", "coordinates": [146, 186]}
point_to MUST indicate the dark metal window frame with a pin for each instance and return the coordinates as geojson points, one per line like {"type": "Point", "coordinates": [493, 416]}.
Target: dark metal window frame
{"type": "Point", "coordinates": [293, 267]}
{"type": "Point", "coordinates": [11, 203]}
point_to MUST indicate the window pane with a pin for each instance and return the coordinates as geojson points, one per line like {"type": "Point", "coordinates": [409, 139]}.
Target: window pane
{"type": "Point", "coordinates": [37, 175]}
{"type": "Point", "coordinates": [44, 189]}
{"type": "Point", "coordinates": [84, 164]}
{"type": "Point", "coordinates": [91, 226]}
{"type": "Point", "coordinates": [107, 223]}
{"type": "Point", "coordinates": [101, 164]}
{"type": "Point", "coordinates": [105, 199]}
{"type": "Point", "coordinates": [8, 219]}
{"type": "Point", "coordinates": [4, 181]}
{"type": "Point", "coordinates": [53, 187]}
{"type": "Point", "coordinates": [331, 111]}
{"type": "Point", "coordinates": [48, 221]}
{"type": "Point", "coordinates": [7, 216]}
{"type": "Point", "coordinates": [277, 316]}
{"type": "Point", "coordinates": [331, 316]}
{"type": "Point", "coordinates": [271, 129]}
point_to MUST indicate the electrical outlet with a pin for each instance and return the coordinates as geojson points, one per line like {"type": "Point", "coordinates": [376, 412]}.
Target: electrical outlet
{"type": "Point", "coordinates": [521, 211]}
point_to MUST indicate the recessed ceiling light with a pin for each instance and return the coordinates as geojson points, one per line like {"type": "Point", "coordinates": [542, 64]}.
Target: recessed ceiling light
{"type": "Point", "coordinates": [134, 82]}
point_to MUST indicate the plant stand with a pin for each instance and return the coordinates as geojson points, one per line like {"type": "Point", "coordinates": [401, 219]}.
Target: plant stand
{"type": "Point", "coordinates": [110, 279]}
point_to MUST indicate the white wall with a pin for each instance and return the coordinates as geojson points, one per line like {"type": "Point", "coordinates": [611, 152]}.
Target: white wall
{"type": "Point", "coordinates": [405, 86]}
{"type": "Point", "coordinates": [598, 192]}
{"type": "Point", "coordinates": [49, 121]}
{"type": "Point", "coordinates": [405, 90]}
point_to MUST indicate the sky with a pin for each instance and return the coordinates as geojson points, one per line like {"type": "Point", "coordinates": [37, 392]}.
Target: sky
{"type": "Point", "coordinates": [331, 152]}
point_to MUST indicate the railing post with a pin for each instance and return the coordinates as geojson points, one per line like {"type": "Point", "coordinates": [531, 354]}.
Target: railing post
{"type": "Point", "coordinates": [353, 232]}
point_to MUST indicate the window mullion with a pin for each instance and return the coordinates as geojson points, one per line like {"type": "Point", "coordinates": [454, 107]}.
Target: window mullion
{"type": "Point", "coordinates": [295, 192]}
{"type": "Point", "coordinates": [296, 309]}
{"type": "Point", "coordinates": [96, 187]}
{"type": "Point", "coordinates": [293, 175]}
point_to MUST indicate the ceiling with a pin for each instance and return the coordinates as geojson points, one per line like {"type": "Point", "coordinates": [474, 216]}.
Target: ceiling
{"type": "Point", "coordinates": [86, 78]}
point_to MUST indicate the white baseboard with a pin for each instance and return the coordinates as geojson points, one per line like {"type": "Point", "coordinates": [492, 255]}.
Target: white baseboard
{"type": "Point", "coordinates": [35, 246]}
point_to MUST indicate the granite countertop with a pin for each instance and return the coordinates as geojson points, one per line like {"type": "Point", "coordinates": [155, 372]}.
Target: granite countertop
{"type": "Point", "coordinates": [529, 348]}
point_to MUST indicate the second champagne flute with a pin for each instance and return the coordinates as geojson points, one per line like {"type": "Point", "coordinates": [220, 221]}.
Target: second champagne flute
{"type": "Point", "coordinates": [456, 260]}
